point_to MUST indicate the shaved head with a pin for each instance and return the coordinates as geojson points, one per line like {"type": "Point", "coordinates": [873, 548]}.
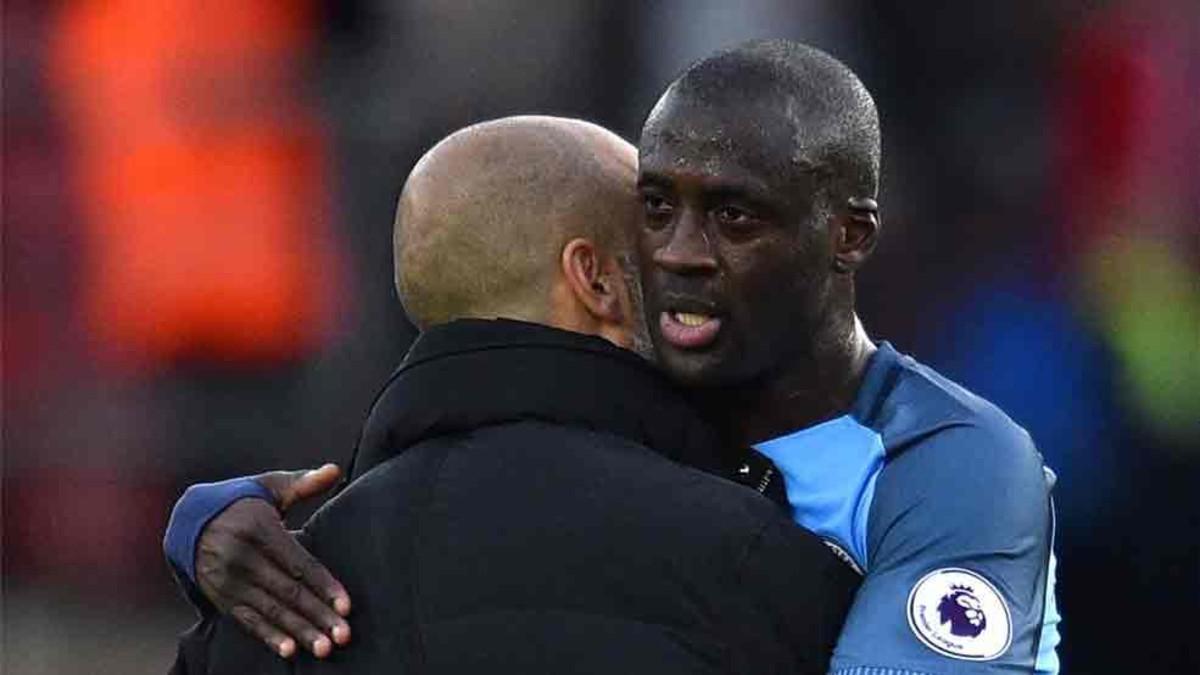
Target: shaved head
{"type": "Point", "coordinates": [833, 126]}
{"type": "Point", "coordinates": [485, 214]}
{"type": "Point", "coordinates": [758, 169]}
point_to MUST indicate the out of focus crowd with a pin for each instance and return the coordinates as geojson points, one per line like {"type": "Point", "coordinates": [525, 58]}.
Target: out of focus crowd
{"type": "Point", "coordinates": [197, 205]}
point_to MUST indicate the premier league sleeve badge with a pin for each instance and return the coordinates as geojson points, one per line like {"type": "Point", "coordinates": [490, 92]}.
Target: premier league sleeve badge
{"type": "Point", "coordinates": [960, 614]}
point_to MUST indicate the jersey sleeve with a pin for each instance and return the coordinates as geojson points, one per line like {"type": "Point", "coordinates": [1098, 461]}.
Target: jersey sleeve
{"type": "Point", "coordinates": [959, 542]}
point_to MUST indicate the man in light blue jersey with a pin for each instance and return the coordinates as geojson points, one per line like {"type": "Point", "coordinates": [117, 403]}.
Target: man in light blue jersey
{"type": "Point", "coordinates": [759, 171]}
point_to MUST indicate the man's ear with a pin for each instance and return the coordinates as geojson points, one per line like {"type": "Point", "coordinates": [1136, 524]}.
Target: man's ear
{"type": "Point", "coordinates": [857, 234]}
{"type": "Point", "coordinates": [594, 280]}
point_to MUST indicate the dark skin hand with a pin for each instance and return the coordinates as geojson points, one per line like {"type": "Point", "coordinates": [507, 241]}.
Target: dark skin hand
{"type": "Point", "coordinates": [252, 568]}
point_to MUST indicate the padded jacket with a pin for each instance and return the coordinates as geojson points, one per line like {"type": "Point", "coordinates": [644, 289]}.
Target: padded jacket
{"type": "Point", "coordinates": [520, 503]}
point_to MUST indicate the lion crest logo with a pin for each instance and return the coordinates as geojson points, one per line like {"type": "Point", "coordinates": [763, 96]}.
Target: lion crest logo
{"type": "Point", "coordinates": [958, 613]}
{"type": "Point", "coordinates": [963, 611]}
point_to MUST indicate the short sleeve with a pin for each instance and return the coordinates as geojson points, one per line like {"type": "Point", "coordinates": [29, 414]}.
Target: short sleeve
{"type": "Point", "coordinates": [960, 538]}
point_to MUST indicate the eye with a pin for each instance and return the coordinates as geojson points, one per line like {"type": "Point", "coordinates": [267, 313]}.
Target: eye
{"type": "Point", "coordinates": [736, 220]}
{"type": "Point", "coordinates": [656, 204]}
{"type": "Point", "coordinates": [658, 210]}
{"type": "Point", "coordinates": [731, 214]}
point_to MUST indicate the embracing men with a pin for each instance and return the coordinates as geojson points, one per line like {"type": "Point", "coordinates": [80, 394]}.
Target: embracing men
{"type": "Point", "coordinates": [758, 171]}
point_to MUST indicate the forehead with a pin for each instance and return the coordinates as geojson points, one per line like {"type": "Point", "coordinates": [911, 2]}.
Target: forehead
{"type": "Point", "coordinates": [753, 144]}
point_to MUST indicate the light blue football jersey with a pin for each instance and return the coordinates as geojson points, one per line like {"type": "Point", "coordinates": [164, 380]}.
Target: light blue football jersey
{"type": "Point", "coordinates": [944, 505]}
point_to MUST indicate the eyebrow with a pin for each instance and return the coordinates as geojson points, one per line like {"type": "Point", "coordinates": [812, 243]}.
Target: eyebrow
{"type": "Point", "coordinates": [649, 179]}
{"type": "Point", "coordinates": [748, 193]}
{"type": "Point", "coordinates": [714, 187]}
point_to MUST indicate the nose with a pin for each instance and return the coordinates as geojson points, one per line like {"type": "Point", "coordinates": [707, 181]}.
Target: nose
{"type": "Point", "coordinates": [688, 251]}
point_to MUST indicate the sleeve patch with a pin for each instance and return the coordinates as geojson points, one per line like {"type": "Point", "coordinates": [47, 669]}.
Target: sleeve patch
{"type": "Point", "coordinates": [958, 613]}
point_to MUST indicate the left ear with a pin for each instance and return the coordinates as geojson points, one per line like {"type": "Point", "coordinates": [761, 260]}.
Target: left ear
{"type": "Point", "coordinates": [595, 280]}
{"type": "Point", "coordinates": [857, 234]}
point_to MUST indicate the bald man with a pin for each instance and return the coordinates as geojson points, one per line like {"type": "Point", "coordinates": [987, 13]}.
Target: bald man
{"type": "Point", "coordinates": [759, 172]}
{"type": "Point", "coordinates": [518, 503]}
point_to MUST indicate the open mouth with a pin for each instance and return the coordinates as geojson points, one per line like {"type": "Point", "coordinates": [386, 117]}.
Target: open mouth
{"type": "Point", "coordinates": [689, 330]}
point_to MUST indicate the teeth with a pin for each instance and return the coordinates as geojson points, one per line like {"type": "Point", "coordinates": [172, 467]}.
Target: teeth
{"type": "Point", "coordinates": [691, 320]}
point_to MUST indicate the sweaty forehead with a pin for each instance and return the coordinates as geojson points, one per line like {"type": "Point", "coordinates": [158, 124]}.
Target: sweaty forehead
{"type": "Point", "coordinates": [751, 140]}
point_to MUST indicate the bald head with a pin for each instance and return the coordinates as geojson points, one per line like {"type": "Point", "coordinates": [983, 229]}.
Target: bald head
{"type": "Point", "coordinates": [832, 126]}
{"type": "Point", "coordinates": [484, 215]}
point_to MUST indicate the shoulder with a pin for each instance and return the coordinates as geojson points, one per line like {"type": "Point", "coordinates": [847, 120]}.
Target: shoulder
{"type": "Point", "coordinates": [961, 502]}
{"type": "Point", "coordinates": [930, 421]}
{"type": "Point", "coordinates": [599, 477]}
{"type": "Point", "coordinates": [388, 492]}
{"type": "Point", "coordinates": [663, 487]}
{"type": "Point", "coordinates": [521, 462]}
{"type": "Point", "coordinates": [957, 460]}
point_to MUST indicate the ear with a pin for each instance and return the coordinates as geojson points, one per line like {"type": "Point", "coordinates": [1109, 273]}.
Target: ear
{"type": "Point", "coordinates": [595, 281]}
{"type": "Point", "coordinates": [857, 234]}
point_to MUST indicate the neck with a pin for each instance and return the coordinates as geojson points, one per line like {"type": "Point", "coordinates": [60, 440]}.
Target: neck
{"type": "Point", "coordinates": [567, 313]}
{"type": "Point", "coordinates": [820, 382]}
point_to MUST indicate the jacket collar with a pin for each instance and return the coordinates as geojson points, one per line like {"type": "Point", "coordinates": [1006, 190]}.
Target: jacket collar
{"type": "Point", "coordinates": [470, 373]}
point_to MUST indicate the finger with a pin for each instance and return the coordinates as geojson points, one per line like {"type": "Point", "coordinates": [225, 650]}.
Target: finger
{"type": "Point", "coordinates": [283, 620]}
{"type": "Point", "coordinates": [281, 546]}
{"type": "Point", "coordinates": [258, 626]}
{"type": "Point", "coordinates": [315, 482]}
{"type": "Point", "coordinates": [294, 594]}
{"type": "Point", "coordinates": [288, 487]}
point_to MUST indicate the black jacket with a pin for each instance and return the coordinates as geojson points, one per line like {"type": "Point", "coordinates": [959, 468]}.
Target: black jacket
{"type": "Point", "coordinates": [517, 507]}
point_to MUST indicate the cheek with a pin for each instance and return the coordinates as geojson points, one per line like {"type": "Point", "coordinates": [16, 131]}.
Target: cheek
{"type": "Point", "coordinates": [770, 272]}
{"type": "Point", "coordinates": [648, 241]}
{"type": "Point", "coordinates": [769, 292]}
{"type": "Point", "coordinates": [781, 293]}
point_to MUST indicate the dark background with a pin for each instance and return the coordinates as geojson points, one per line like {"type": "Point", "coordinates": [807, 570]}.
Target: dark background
{"type": "Point", "coordinates": [198, 200]}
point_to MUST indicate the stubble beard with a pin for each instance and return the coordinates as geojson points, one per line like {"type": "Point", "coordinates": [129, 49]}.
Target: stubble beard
{"type": "Point", "coordinates": [642, 344]}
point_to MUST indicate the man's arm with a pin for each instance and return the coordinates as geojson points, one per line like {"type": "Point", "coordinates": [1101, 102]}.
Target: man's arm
{"type": "Point", "coordinates": [230, 552]}
{"type": "Point", "coordinates": [960, 550]}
